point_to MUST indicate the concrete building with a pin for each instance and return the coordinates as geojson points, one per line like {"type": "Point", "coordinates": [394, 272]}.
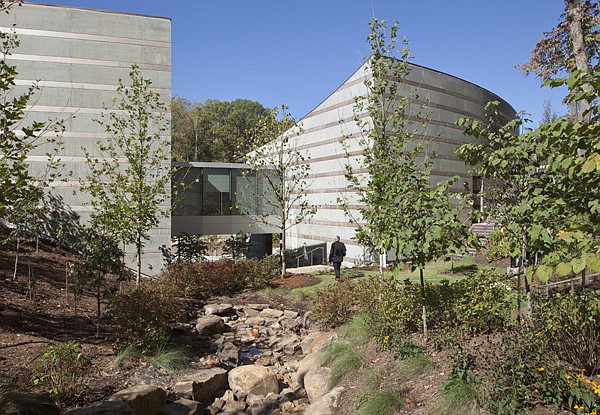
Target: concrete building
{"type": "Point", "coordinates": [79, 55]}
{"type": "Point", "coordinates": [447, 99]}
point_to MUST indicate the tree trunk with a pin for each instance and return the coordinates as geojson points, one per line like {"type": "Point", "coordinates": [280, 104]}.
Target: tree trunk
{"type": "Point", "coordinates": [138, 278]}
{"type": "Point", "coordinates": [16, 260]}
{"type": "Point", "coordinates": [524, 264]}
{"type": "Point", "coordinates": [98, 308]}
{"type": "Point", "coordinates": [574, 18]}
{"type": "Point", "coordinates": [424, 316]}
{"type": "Point", "coordinates": [282, 248]}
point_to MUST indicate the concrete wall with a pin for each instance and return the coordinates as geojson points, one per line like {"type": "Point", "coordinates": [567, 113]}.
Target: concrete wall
{"type": "Point", "coordinates": [79, 55]}
{"type": "Point", "coordinates": [448, 99]}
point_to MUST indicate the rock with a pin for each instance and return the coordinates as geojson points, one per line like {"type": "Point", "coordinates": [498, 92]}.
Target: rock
{"type": "Point", "coordinates": [314, 343]}
{"type": "Point", "coordinates": [182, 407]}
{"type": "Point", "coordinates": [143, 399]}
{"type": "Point", "coordinates": [290, 314]}
{"type": "Point", "coordinates": [326, 404]}
{"type": "Point", "coordinates": [253, 379]}
{"type": "Point", "coordinates": [206, 384]}
{"type": "Point", "coordinates": [271, 313]}
{"type": "Point", "coordinates": [259, 405]}
{"type": "Point", "coordinates": [255, 321]}
{"type": "Point", "coordinates": [102, 408]}
{"type": "Point", "coordinates": [208, 325]}
{"type": "Point", "coordinates": [308, 363]}
{"type": "Point", "coordinates": [316, 383]}
{"type": "Point", "coordinates": [234, 406]}
{"type": "Point", "coordinates": [219, 309]}
{"type": "Point", "coordinates": [26, 403]}
{"type": "Point", "coordinates": [229, 354]}
{"type": "Point", "coordinates": [257, 306]}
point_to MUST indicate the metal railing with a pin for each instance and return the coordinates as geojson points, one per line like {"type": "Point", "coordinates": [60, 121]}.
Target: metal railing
{"type": "Point", "coordinates": [309, 254]}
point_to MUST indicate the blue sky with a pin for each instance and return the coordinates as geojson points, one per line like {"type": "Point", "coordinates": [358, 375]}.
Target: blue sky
{"type": "Point", "coordinates": [298, 52]}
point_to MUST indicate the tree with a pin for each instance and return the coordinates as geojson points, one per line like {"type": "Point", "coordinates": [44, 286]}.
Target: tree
{"type": "Point", "coordinates": [548, 113]}
{"type": "Point", "coordinates": [573, 45]}
{"type": "Point", "coordinates": [213, 130]}
{"type": "Point", "coordinates": [278, 176]}
{"type": "Point", "coordinates": [127, 197]}
{"type": "Point", "coordinates": [400, 208]}
{"type": "Point", "coordinates": [101, 259]}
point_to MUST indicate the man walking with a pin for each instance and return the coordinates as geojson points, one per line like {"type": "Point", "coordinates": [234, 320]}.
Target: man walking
{"type": "Point", "coordinates": [336, 256]}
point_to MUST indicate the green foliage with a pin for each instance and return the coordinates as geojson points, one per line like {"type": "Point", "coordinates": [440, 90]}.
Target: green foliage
{"type": "Point", "coordinates": [483, 302]}
{"type": "Point", "coordinates": [215, 131]}
{"type": "Point", "coordinates": [60, 369]}
{"type": "Point", "coordinates": [237, 245]}
{"type": "Point", "coordinates": [571, 323]}
{"type": "Point", "coordinates": [128, 198]}
{"type": "Point", "coordinates": [143, 314]}
{"type": "Point", "coordinates": [521, 373]}
{"type": "Point", "coordinates": [342, 358]}
{"type": "Point", "coordinates": [206, 278]}
{"type": "Point", "coordinates": [190, 248]}
{"type": "Point", "coordinates": [379, 402]}
{"type": "Point", "coordinates": [334, 305]}
{"type": "Point", "coordinates": [168, 358]}
{"type": "Point", "coordinates": [584, 393]}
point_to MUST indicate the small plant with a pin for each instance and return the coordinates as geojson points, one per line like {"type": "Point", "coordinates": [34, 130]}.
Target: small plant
{"type": "Point", "coordinates": [143, 314]}
{"type": "Point", "coordinates": [169, 359]}
{"type": "Point", "coordinates": [342, 358]}
{"type": "Point", "coordinates": [584, 393]}
{"type": "Point", "coordinates": [334, 304]}
{"type": "Point", "coordinates": [60, 369]}
{"type": "Point", "coordinates": [379, 402]}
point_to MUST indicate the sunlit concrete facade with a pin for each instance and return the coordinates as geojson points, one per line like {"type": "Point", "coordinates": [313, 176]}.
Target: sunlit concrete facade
{"type": "Point", "coordinates": [447, 99]}
{"type": "Point", "coordinates": [79, 55]}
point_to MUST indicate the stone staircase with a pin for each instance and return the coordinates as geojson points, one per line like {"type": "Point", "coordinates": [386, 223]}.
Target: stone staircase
{"type": "Point", "coordinates": [483, 230]}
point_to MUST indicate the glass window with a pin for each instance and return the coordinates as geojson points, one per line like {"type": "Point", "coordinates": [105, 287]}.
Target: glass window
{"type": "Point", "coordinates": [216, 195]}
{"type": "Point", "coordinates": [187, 192]}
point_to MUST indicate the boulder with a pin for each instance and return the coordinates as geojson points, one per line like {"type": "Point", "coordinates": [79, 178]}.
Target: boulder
{"type": "Point", "coordinates": [206, 384]}
{"type": "Point", "coordinates": [307, 364]}
{"type": "Point", "coordinates": [253, 379]}
{"type": "Point", "coordinates": [208, 325]}
{"type": "Point", "coordinates": [326, 404]}
{"type": "Point", "coordinates": [26, 403]}
{"type": "Point", "coordinates": [103, 408]}
{"type": "Point", "coordinates": [316, 383]}
{"type": "Point", "coordinates": [143, 399]}
{"type": "Point", "coordinates": [259, 405]}
{"type": "Point", "coordinates": [315, 342]}
{"type": "Point", "coordinates": [182, 407]}
{"type": "Point", "coordinates": [219, 309]}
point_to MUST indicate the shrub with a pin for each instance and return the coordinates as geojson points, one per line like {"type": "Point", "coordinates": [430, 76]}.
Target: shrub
{"type": "Point", "coordinates": [483, 302]}
{"type": "Point", "coordinates": [521, 373]}
{"type": "Point", "coordinates": [59, 370]}
{"type": "Point", "coordinates": [334, 304]}
{"type": "Point", "coordinates": [207, 278]}
{"type": "Point", "coordinates": [572, 324]}
{"type": "Point", "coordinates": [143, 314]}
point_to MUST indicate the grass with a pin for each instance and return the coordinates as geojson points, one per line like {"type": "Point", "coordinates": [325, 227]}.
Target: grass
{"type": "Point", "coordinates": [356, 331]}
{"type": "Point", "coordinates": [435, 272]}
{"type": "Point", "coordinates": [342, 358]}
{"type": "Point", "coordinates": [408, 368]}
{"type": "Point", "coordinates": [166, 357]}
{"type": "Point", "coordinates": [459, 398]}
{"type": "Point", "coordinates": [379, 402]}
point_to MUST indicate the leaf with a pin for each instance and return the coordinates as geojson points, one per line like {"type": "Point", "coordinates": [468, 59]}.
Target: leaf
{"type": "Point", "coordinates": [563, 269]}
{"type": "Point", "coordinates": [578, 265]}
{"type": "Point", "coordinates": [588, 166]}
{"type": "Point", "coordinates": [543, 273]}
{"type": "Point", "coordinates": [594, 263]}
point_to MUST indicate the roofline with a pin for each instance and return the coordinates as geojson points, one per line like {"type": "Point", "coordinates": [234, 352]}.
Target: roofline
{"type": "Point", "coordinates": [411, 64]}
{"type": "Point", "coordinates": [95, 10]}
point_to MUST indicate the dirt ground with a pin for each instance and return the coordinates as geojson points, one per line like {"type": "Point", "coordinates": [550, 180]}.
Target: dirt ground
{"type": "Point", "coordinates": [40, 309]}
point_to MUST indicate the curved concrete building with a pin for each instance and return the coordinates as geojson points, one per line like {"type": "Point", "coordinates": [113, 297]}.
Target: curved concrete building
{"type": "Point", "coordinates": [79, 55]}
{"type": "Point", "coordinates": [446, 97]}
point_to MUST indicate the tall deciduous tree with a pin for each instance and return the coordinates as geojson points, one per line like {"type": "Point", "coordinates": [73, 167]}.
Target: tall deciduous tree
{"type": "Point", "coordinates": [402, 208]}
{"type": "Point", "coordinates": [573, 45]}
{"type": "Point", "coordinates": [281, 176]}
{"type": "Point", "coordinates": [128, 197]}
{"type": "Point", "coordinates": [214, 130]}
